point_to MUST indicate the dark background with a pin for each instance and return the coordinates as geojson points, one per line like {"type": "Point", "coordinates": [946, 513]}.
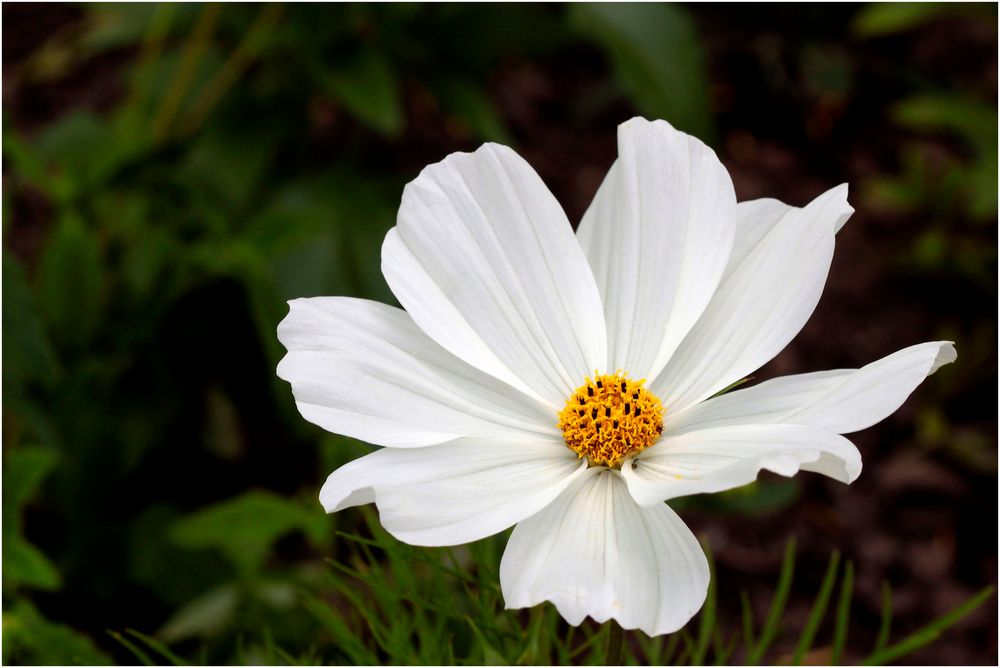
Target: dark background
{"type": "Point", "coordinates": [172, 174]}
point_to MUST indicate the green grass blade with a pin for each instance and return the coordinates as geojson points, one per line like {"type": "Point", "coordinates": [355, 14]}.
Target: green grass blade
{"type": "Point", "coordinates": [344, 638]}
{"type": "Point", "coordinates": [132, 647]}
{"type": "Point", "coordinates": [158, 647]}
{"type": "Point", "coordinates": [885, 626]}
{"type": "Point", "coordinates": [666, 655]}
{"type": "Point", "coordinates": [561, 642]}
{"type": "Point", "coordinates": [707, 622]}
{"type": "Point", "coordinates": [771, 624]}
{"type": "Point", "coordinates": [747, 614]}
{"type": "Point", "coordinates": [361, 604]}
{"type": "Point", "coordinates": [723, 650]}
{"type": "Point", "coordinates": [286, 657]}
{"type": "Point", "coordinates": [930, 632]}
{"type": "Point", "coordinates": [588, 643]}
{"type": "Point", "coordinates": [532, 653]}
{"type": "Point", "coordinates": [648, 648]}
{"type": "Point", "coordinates": [818, 611]}
{"type": "Point", "coordinates": [683, 657]}
{"type": "Point", "coordinates": [843, 615]}
{"type": "Point", "coordinates": [616, 638]}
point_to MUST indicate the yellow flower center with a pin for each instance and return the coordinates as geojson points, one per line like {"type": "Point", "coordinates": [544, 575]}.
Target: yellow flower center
{"type": "Point", "coordinates": [610, 418]}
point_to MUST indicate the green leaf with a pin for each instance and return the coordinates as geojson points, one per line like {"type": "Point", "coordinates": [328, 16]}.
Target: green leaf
{"type": "Point", "coordinates": [172, 573]}
{"type": "Point", "coordinates": [27, 353]}
{"type": "Point", "coordinates": [974, 122]}
{"type": "Point", "coordinates": [29, 638]}
{"type": "Point", "coordinates": [82, 149]}
{"type": "Point", "coordinates": [24, 469]}
{"type": "Point", "coordinates": [244, 528]}
{"type": "Point", "coordinates": [27, 164]}
{"type": "Point", "coordinates": [930, 632]}
{"type": "Point", "coordinates": [877, 19]}
{"type": "Point", "coordinates": [473, 109]}
{"type": "Point", "coordinates": [969, 118]}
{"type": "Point", "coordinates": [732, 386]}
{"type": "Point", "coordinates": [657, 55]}
{"type": "Point", "coordinates": [147, 247]}
{"type": "Point", "coordinates": [224, 162]}
{"type": "Point", "coordinates": [367, 86]}
{"type": "Point", "coordinates": [757, 498]}
{"type": "Point", "coordinates": [205, 616]}
{"type": "Point", "coordinates": [116, 25]}
{"type": "Point", "coordinates": [24, 564]}
{"type": "Point", "coordinates": [71, 281]}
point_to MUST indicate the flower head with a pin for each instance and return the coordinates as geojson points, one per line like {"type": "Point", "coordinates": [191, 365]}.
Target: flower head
{"type": "Point", "coordinates": [565, 384]}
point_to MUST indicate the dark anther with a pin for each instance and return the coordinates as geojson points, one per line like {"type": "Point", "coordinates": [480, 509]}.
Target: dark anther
{"type": "Point", "coordinates": [624, 387]}
{"type": "Point", "coordinates": [637, 411]}
{"type": "Point", "coordinates": [600, 385]}
{"type": "Point", "coordinates": [593, 414]}
{"type": "Point", "coordinates": [590, 391]}
{"type": "Point", "coordinates": [616, 424]}
{"type": "Point", "coordinates": [581, 412]}
{"type": "Point", "coordinates": [581, 400]}
{"type": "Point", "coordinates": [628, 407]}
{"type": "Point", "coordinates": [607, 411]}
{"type": "Point", "coordinates": [635, 395]}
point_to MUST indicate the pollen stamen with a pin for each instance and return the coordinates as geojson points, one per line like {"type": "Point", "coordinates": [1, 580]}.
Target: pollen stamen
{"type": "Point", "coordinates": [631, 417]}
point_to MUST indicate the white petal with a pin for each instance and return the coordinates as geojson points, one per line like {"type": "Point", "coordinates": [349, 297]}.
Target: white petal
{"type": "Point", "coordinates": [456, 492]}
{"type": "Point", "coordinates": [762, 302]}
{"type": "Point", "coordinates": [765, 403]}
{"type": "Point", "coordinates": [657, 235]}
{"type": "Point", "coordinates": [756, 218]}
{"type": "Point", "coordinates": [594, 552]}
{"type": "Point", "coordinates": [714, 460]}
{"type": "Point", "coordinates": [842, 401]}
{"type": "Point", "coordinates": [487, 264]}
{"type": "Point", "coordinates": [365, 370]}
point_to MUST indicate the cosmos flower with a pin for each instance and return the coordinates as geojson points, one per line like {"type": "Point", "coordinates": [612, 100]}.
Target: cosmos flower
{"type": "Point", "coordinates": [569, 384]}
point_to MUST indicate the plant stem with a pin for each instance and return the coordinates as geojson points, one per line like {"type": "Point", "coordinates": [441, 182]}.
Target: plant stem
{"type": "Point", "coordinates": [193, 53]}
{"type": "Point", "coordinates": [616, 634]}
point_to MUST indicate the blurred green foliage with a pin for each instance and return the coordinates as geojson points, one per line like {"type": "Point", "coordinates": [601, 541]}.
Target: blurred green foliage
{"type": "Point", "coordinates": [956, 187]}
{"type": "Point", "coordinates": [23, 471]}
{"type": "Point", "coordinates": [150, 245]}
{"type": "Point", "coordinates": [657, 57]}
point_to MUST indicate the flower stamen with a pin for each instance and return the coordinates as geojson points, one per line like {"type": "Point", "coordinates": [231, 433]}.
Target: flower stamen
{"type": "Point", "coordinates": [610, 418]}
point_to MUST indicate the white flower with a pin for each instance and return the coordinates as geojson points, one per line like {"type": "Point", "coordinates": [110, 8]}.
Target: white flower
{"type": "Point", "coordinates": [507, 391]}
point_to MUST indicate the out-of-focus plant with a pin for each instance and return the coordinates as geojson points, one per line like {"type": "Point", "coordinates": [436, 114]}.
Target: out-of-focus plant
{"type": "Point", "coordinates": [947, 172]}
{"type": "Point", "coordinates": [965, 181]}
{"type": "Point", "coordinates": [389, 602]}
{"type": "Point", "coordinates": [190, 193]}
{"type": "Point", "coordinates": [658, 59]}
{"type": "Point", "coordinates": [28, 636]}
